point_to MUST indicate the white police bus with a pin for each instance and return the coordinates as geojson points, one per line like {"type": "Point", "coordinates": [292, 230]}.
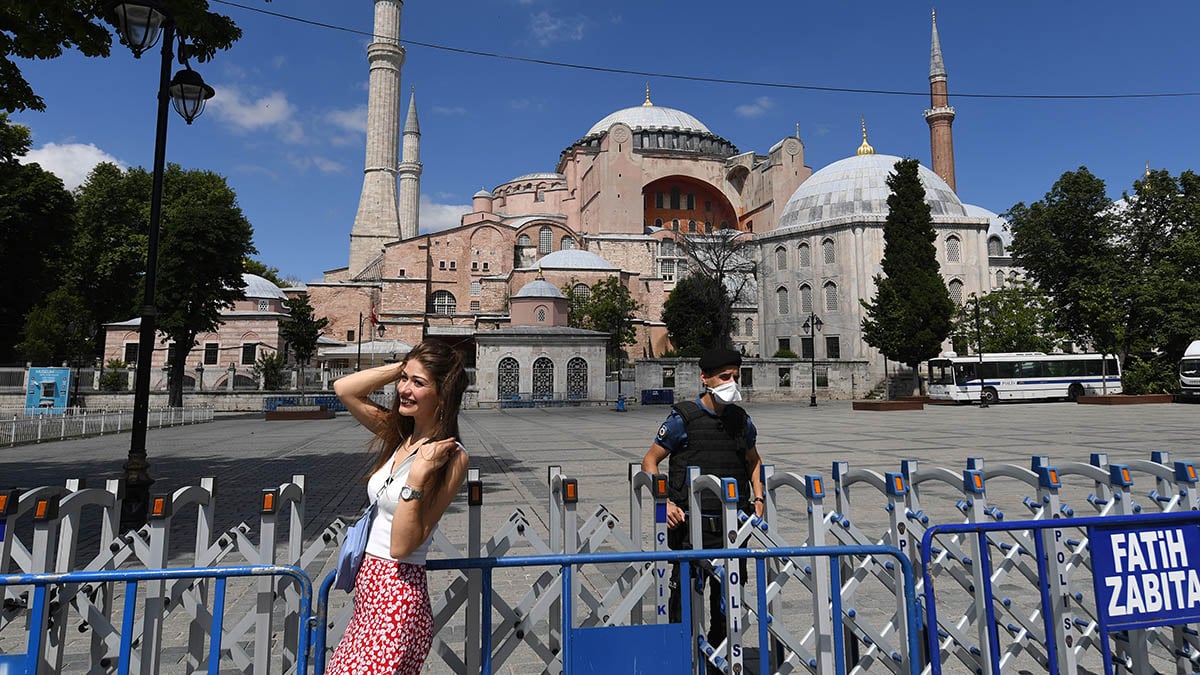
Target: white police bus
{"type": "Point", "coordinates": [1022, 375]}
{"type": "Point", "coordinates": [1189, 371]}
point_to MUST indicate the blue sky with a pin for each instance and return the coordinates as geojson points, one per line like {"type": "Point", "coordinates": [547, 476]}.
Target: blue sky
{"type": "Point", "coordinates": [286, 128]}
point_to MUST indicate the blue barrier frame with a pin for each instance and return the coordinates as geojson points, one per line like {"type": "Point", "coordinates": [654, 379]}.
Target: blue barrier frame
{"type": "Point", "coordinates": [1090, 523]}
{"type": "Point", "coordinates": [131, 578]}
{"type": "Point", "coordinates": [568, 561]}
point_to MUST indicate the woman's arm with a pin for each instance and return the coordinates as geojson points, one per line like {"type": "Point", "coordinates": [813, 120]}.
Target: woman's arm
{"type": "Point", "coordinates": [355, 390]}
{"type": "Point", "coordinates": [414, 520]}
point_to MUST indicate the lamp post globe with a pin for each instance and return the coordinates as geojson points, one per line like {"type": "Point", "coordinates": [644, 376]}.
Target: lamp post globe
{"type": "Point", "coordinates": [140, 23]}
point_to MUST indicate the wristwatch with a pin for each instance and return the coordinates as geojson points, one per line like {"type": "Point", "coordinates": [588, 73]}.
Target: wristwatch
{"type": "Point", "coordinates": [408, 494]}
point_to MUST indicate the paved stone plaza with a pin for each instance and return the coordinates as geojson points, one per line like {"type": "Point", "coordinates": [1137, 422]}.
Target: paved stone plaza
{"type": "Point", "coordinates": [513, 448]}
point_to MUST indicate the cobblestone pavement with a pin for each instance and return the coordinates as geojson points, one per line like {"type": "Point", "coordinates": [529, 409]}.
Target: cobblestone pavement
{"type": "Point", "coordinates": [514, 448]}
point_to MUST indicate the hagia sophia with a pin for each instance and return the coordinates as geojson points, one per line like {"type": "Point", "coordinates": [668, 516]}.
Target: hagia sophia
{"type": "Point", "coordinates": [628, 199]}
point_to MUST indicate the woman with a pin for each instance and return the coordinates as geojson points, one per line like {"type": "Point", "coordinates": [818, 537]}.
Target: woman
{"type": "Point", "coordinates": [419, 468]}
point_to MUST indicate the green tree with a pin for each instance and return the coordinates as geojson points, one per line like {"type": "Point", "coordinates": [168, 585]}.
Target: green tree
{"type": "Point", "coordinates": [1016, 318]}
{"type": "Point", "coordinates": [37, 218]}
{"type": "Point", "coordinates": [302, 331]}
{"type": "Point", "coordinates": [909, 317]}
{"type": "Point", "coordinates": [259, 268]}
{"type": "Point", "coordinates": [687, 313]}
{"type": "Point", "coordinates": [44, 29]}
{"type": "Point", "coordinates": [609, 309]}
{"type": "Point", "coordinates": [1066, 242]}
{"type": "Point", "coordinates": [204, 239]}
{"type": "Point", "coordinates": [269, 368]}
{"type": "Point", "coordinates": [726, 259]}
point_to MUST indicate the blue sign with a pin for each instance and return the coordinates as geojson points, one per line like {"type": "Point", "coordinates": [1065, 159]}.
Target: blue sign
{"type": "Point", "coordinates": [1146, 577]}
{"type": "Point", "coordinates": [48, 390]}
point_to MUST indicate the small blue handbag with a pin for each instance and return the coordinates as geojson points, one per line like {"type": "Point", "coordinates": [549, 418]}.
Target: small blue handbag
{"type": "Point", "coordinates": [354, 548]}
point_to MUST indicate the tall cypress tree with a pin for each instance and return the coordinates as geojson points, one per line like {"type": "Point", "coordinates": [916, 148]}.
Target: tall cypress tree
{"type": "Point", "coordinates": [910, 315]}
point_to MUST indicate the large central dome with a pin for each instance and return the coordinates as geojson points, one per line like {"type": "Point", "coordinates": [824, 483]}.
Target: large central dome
{"type": "Point", "coordinates": [650, 117]}
{"type": "Point", "coordinates": [857, 186]}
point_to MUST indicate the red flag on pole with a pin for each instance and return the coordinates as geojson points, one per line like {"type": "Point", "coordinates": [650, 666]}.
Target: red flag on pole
{"type": "Point", "coordinates": [374, 314]}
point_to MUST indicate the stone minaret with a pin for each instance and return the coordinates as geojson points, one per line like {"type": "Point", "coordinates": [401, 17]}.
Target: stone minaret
{"type": "Point", "coordinates": [377, 221]}
{"type": "Point", "coordinates": [410, 173]}
{"type": "Point", "coordinates": [940, 115]}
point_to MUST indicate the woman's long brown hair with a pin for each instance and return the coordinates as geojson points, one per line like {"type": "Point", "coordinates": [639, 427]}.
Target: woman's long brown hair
{"type": "Point", "coordinates": [445, 366]}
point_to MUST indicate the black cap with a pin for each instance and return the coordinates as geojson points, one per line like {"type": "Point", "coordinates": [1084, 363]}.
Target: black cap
{"type": "Point", "coordinates": [715, 359]}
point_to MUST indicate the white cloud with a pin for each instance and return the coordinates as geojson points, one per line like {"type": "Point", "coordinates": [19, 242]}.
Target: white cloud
{"type": "Point", "coordinates": [757, 108]}
{"type": "Point", "coordinates": [245, 114]}
{"type": "Point", "coordinates": [71, 162]}
{"type": "Point", "coordinates": [436, 217]}
{"type": "Point", "coordinates": [352, 119]}
{"type": "Point", "coordinates": [455, 111]}
{"type": "Point", "coordinates": [549, 29]}
{"type": "Point", "coordinates": [322, 164]}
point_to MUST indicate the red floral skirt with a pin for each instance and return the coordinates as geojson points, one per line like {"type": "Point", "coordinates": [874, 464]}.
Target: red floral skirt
{"type": "Point", "coordinates": [391, 630]}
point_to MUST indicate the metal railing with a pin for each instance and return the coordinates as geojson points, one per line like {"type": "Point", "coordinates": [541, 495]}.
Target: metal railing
{"type": "Point", "coordinates": [52, 424]}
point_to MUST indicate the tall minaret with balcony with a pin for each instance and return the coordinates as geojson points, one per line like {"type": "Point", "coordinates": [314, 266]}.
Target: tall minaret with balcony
{"type": "Point", "coordinates": [940, 115]}
{"type": "Point", "coordinates": [410, 173]}
{"type": "Point", "coordinates": [377, 220]}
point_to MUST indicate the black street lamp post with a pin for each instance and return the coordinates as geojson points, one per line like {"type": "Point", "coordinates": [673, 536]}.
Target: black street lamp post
{"type": "Point", "coordinates": [139, 22]}
{"type": "Point", "coordinates": [812, 325]}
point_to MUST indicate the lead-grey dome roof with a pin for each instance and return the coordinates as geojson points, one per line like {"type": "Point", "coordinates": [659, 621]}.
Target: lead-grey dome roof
{"type": "Point", "coordinates": [255, 286]}
{"type": "Point", "coordinates": [574, 259]}
{"type": "Point", "coordinates": [997, 226]}
{"type": "Point", "coordinates": [539, 288]}
{"type": "Point", "coordinates": [857, 186]}
{"type": "Point", "coordinates": [650, 116]}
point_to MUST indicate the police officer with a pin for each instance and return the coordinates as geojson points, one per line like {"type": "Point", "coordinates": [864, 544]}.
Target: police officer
{"type": "Point", "coordinates": [718, 436]}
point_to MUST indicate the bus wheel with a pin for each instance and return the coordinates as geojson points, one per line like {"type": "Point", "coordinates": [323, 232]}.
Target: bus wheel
{"type": "Point", "coordinates": [990, 396]}
{"type": "Point", "coordinates": [1074, 392]}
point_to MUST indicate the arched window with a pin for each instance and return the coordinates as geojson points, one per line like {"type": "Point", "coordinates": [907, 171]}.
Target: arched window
{"type": "Point", "coordinates": [995, 247]}
{"type": "Point", "coordinates": [581, 291]}
{"type": "Point", "coordinates": [577, 379]}
{"type": "Point", "coordinates": [691, 226]}
{"type": "Point", "coordinates": [782, 296]}
{"type": "Point", "coordinates": [831, 300]}
{"type": "Point", "coordinates": [658, 222]}
{"type": "Point", "coordinates": [749, 327]}
{"type": "Point", "coordinates": [735, 327]}
{"type": "Point", "coordinates": [508, 378]}
{"type": "Point", "coordinates": [541, 314]}
{"type": "Point", "coordinates": [780, 258]}
{"type": "Point", "coordinates": [953, 249]}
{"type": "Point", "coordinates": [675, 225]}
{"type": "Point", "coordinates": [543, 378]}
{"type": "Point", "coordinates": [805, 255]}
{"type": "Point", "coordinates": [568, 243]}
{"type": "Point", "coordinates": [956, 291]}
{"type": "Point", "coordinates": [545, 240]}
{"type": "Point", "coordinates": [523, 240]}
{"type": "Point", "coordinates": [443, 303]}
{"type": "Point", "coordinates": [999, 279]}
{"type": "Point", "coordinates": [827, 251]}
{"type": "Point", "coordinates": [806, 306]}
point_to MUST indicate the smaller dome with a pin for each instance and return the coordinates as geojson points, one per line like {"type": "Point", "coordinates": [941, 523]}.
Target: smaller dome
{"type": "Point", "coordinates": [255, 286]}
{"type": "Point", "coordinates": [574, 259]}
{"type": "Point", "coordinates": [539, 288]}
{"type": "Point", "coordinates": [997, 226]}
{"type": "Point", "coordinates": [482, 193]}
{"type": "Point", "coordinates": [536, 176]}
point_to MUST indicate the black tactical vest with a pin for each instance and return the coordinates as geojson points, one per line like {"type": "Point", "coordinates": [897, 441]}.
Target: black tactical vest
{"type": "Point", "coordinates": [715, 444]}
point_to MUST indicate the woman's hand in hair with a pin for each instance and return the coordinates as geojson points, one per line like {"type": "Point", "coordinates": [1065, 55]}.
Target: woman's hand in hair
{"type": "Point", "coordinates": [431, 457]}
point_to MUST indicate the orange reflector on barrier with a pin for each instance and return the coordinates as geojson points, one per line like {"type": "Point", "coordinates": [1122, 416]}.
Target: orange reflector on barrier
{"type": "Point", "coordinates": [571, 492]}
{"type": "Point", "coordinates": [39, 511]}
{"type": "Point", "coordinates": [978, 478]}
{"type": "Point", "coordinates": [160, 506]}
{"type": "Point", "coordinates": [817, 487]}
{"type": "Point", "coordinates": [1053, 476]}
{"type": "Point", "coordinates": [660, 487]}
{"type": "Point", "coordinates": [3, 503]}
{"type": "Point", "coordinates": [731, 490]}
{"type": "Point", "coordinates": [268, 501]}
{"type": "Point", "coordinates": [899, 483]}
{"type": "Point", "coordinates": [474, 493]}
{"type": "Point", "coordinates": [1190, 469]}
{"type": "Point", "coordinates": [1125, 476]}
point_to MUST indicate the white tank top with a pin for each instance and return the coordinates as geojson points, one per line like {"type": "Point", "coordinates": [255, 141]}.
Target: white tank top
{"type": "Point", "coordinates": [387, 485]}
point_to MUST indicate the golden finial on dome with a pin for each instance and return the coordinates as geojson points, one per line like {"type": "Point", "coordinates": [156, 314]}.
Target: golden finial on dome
{"type": "Point", "coordinates": [539, 276]}
{"type": "Point", "coordinates": [647, 101]}
{"type": "Point", "coordinates": [797, 130]}
{"type": "Point", "coordinates": [865, 148]}
{"type": "Point", "coordinates": [1147, 168]}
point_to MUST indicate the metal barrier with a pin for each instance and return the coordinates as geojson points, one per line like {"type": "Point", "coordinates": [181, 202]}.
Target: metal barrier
{"type": "Point", "coordinates": [1127, 555]}
{"type": "Point", "coordinates": [130, 658]}
{"type": "Point", "coordinates": [589, 649]}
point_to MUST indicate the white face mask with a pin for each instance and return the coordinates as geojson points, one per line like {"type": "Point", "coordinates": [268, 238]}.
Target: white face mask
{"type": "Point", "coordinates": [726, 393]}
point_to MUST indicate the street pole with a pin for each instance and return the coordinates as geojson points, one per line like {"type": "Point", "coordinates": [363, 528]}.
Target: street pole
{"type": "Point", "coordinates": [137, 469]}
{"type": "Point", "coordinates": [358, 336]}
{"type": "Point", "coordinates": [811, 326]}
{"type": "Point", "coordinates": [979, 343]}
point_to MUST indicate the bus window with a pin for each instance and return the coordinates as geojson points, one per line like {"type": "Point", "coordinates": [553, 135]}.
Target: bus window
{"type": "Point", "coordinates": [964, 372]}
{"type": "Point", "coordinates": [1189, 367]}
{"type": "Point", "coordinates": [1028, 369]}
{"type": "Point", "coordinates": [1005, 370]}
{"type": "Point", "coordinates": [941, 372]}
